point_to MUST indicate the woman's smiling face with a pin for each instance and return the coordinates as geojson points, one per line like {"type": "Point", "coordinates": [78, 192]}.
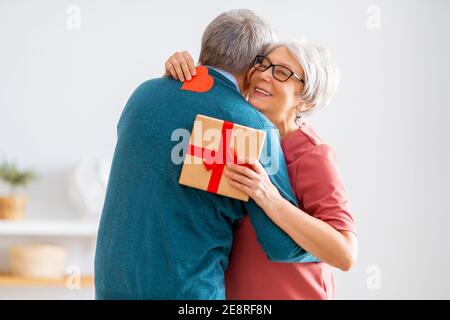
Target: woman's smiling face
{"type": "Point", "coordinates": [279, 101]}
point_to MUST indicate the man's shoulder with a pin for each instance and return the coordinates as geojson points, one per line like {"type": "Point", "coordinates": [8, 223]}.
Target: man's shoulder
{"type": "Point", "coordinates": [222, 101]}
{"type": "Point", "coordinates": [155, 85]}
{"type": "Point", "coordinates": [251, 117]}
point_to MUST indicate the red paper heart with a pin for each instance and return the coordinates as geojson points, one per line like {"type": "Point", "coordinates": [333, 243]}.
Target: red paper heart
{"type": "Point", "coordinates": [201, 82]}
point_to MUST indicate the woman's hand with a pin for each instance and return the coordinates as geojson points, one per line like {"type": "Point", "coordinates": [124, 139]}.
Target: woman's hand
{"type": "Point", "coordinates": [334, 247]}
{"type": "Point", "coordinates": [255, 183]}
{"type": "Point", "coordinates": [180, 66]}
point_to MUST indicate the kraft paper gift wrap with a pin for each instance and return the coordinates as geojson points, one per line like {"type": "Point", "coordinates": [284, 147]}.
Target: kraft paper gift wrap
{"type": "Point", "coordinates": [212, 144]}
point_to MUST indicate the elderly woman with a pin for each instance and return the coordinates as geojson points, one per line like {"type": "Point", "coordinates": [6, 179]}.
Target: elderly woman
{"type": "Point", "coordinates": [287, 83]}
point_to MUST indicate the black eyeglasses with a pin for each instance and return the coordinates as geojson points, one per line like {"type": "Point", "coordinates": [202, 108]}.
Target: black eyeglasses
{"type": "Point", "coordinates": [281, 73]}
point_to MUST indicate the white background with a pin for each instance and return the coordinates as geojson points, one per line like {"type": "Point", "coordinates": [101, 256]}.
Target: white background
{"type": "Point", "coordinates": [62, 91]}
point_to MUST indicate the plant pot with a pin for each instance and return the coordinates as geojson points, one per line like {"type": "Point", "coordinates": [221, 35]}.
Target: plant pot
{"type": "Point", "coordinates": [13, 207]}
{"type": "Point", "coordinates": [38, 260]}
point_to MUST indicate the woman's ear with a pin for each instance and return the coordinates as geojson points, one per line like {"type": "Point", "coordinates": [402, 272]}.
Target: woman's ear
{"type": "Point", "coordinates": [303, 106]}
{"type": "Point", "coordinates": [249, 74]}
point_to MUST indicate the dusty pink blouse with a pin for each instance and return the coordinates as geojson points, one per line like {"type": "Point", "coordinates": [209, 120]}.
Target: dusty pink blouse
{"type": "Point", "coordinates": [320, 192]}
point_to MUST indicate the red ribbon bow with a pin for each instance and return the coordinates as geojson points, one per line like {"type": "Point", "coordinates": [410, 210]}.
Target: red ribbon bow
{"type": "Point", "coordinates": [216, 160]}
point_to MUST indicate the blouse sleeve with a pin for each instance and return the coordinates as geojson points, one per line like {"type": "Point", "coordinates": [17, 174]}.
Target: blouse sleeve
{"type": "Point", "coordinates": [320, 190]}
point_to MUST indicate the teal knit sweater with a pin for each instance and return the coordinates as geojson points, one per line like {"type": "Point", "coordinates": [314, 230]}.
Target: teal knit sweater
{"type": "Point", "coordinates": [162, 240]}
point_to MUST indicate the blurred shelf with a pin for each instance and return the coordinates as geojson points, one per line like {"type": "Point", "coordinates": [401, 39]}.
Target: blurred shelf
{"type": "Point", "coordinates": [7, 280]}
{"type": "Point", "coordinates": [53, 228]}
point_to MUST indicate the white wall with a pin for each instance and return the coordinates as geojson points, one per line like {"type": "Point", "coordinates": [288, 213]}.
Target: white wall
{"type": "Point", "coordinates": [62, 91]}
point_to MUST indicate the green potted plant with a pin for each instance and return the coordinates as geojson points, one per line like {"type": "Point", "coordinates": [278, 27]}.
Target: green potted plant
{"type": "Point", "coordinates": [13, 206]}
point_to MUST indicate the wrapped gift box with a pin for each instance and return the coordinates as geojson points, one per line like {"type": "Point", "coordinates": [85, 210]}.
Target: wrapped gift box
{"type": "Point", "coordinates": [212, 144]}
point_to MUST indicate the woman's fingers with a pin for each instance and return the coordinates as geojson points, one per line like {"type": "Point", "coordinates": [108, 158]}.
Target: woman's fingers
{"type": "Point", "coordinates": [240, 187]}
{"type": "Point", "coordinates": [184, 65]}
{"type": "Point", "coordinates": [257, 166]}
{"type": "Point", "coordinates": [177, 66]}
{"type": "Point", "coordinates": [243, 170]}
{"type": "Point", "coordinates": [185, 68]}
{"type": "Point", "coordinates": [190, 63]}
{"type": "Point", "coordinates": [238, 177]}
{"type": "Point", "coordinates": [181, 66]}
{"type": "Point", "coordinates": [170, 70]}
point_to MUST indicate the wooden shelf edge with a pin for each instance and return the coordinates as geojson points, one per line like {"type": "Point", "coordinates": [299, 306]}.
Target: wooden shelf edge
{"type": "Point", "coordinates": [8, 280]}
{"type": "Point", "coordinates": [49, 228]}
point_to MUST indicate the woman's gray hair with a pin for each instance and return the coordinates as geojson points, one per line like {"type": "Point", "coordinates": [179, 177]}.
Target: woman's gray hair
{"type": "Point", "coordinates": [233, 39]}
{"type": "Point", "coordinates": [321, 74]}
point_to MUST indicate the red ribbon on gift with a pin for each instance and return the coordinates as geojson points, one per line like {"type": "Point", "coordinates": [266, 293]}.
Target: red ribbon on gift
{"type": "Point", "coordinates": [216, 160]}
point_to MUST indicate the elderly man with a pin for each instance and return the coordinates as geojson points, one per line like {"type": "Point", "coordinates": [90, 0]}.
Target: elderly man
{"type": "Point", "coordinates": [157, 238]}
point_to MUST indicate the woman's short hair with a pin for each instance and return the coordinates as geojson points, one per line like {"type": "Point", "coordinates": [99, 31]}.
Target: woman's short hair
{"type": "Point", "coordinates": [233, 39]}
{"type": "Point", "coordinates": [321, 74]}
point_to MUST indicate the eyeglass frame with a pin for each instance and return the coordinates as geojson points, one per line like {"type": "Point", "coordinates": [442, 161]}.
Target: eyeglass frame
{"type": "Point", "coordinates": [292, 73]}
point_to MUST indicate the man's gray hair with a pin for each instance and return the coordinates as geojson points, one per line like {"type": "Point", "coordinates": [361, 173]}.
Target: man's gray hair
{"type": "Point", "coordinates": [233, 40]}
{"type": "Point", "coordinates": [321, 73]}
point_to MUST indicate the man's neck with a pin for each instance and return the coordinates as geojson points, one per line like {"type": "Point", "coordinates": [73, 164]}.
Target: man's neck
{"type": "Point", "coordinates": [227, 75]}
{"type": "Point", "coordinates": [236, 79]}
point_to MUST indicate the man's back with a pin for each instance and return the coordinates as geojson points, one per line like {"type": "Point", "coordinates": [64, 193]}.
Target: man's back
{"type": "Point", "coordinates": [157, 238]}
